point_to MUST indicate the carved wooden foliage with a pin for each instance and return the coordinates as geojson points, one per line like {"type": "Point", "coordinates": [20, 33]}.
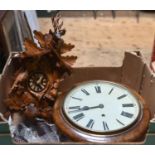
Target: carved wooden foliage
{"type": "Point", "coordinates": [49, 54]}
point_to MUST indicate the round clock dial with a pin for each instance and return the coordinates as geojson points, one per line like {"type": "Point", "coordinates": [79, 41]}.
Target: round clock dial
{"type": "Point", "coordinates": [37, 82]}
{"type": "Point", "coordinates": [100, 106]}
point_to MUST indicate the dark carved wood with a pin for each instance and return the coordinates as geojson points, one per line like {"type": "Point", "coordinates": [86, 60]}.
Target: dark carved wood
{"type": "Point", "coordinates": [28, 93]}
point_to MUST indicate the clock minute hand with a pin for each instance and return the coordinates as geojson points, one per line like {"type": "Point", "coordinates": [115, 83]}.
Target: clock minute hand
{"type": "Point", "coordinates": [80, 109]}
{"type": "Point", "coordinates": [85, 108]}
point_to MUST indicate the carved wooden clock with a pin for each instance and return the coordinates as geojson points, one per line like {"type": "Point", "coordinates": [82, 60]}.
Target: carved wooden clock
{"type": "Point", "coordinates": [101, 112]}
{"type": "Point", "coordinates": [41, 68]}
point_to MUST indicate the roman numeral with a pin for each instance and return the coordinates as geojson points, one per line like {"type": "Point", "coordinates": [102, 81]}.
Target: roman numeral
{"type": "Point", "coordinates": [74, 107]}
{"type": "Point", "coordinates": [128, 105]}
{"type": "Point", "coordinates": [126, 114]}
{"type": "Point", "coordinates": [120, 122]}
{"type": "Point", "coordinates": [78, 117]}
{"type": "Point", "coordinates": [98, 89]}
{"type": "Point", "coordinates": [122, 96]}
{"type": "Point", "coordinates": [76, 98]}
{"type": "Point", "coordinates": [111, 91]}
{"type": "Point", "coordinates": [85, 92]}
{"type": "Point", "coordinates": [90, 123]}
{"type": "Point", "coordinates": [105, 126]}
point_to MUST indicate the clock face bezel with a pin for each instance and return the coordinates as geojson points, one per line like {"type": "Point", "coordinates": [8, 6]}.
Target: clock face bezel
{"type": "Point", "coordinates": [129, 134]}
{"type": "Point", "coordinates": [28, 81]}
{"type": "Point", "coordinates": [103, 132]}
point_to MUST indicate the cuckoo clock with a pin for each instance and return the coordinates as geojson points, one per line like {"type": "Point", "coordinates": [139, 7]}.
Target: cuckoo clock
{"type": "Point", "coordinates": [34, 89]}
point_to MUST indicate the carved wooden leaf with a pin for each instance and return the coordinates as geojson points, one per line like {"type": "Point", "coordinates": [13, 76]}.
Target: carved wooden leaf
{"type": "Point", "coordinates": [27, 98]}
{"type": "Point", "coordinates": [32, 50]}
{"type": "Point", "coordinates": [40, 38]}
{"type": "Point", "coordinates": [13, 104]}
{"type": "Point", "coordinates": [45, 40]}
{"type": "Point", "coordinates": [69, 59]}
{"type": "Point", "coordinates": [21, 76]}
{"type": "Point", "coordinates": [66, 48]}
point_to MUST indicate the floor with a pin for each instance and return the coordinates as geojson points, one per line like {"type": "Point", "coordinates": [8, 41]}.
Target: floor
{"type": "Point", "coordinates": [103, 41]}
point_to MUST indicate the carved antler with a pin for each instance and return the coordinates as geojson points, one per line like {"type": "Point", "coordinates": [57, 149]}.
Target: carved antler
{"type": "Point", "coordinates": [57, 25]}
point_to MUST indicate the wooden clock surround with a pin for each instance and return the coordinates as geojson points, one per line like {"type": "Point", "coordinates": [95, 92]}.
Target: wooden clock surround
{"type": "Point", "coordinates": [134, 133]}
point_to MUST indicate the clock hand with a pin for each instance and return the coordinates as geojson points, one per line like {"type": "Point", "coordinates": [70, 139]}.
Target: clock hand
{"type": "Point", "coordinates": [40, 86]}
{"type": "Point", "coordinates": [99, 106]}
{"type": "Point", "coordinates": [85, 108]}
{"type": "Point", "coordinates": [39, 80]}
{"type": "Point", "coordinates": [80, 109]}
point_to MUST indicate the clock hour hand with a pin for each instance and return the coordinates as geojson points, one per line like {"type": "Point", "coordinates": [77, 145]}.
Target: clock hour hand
{"type": "Point", "coordinates": [39, 80]}
{"type": "Point", "coordinates": [85, 108]}
{"type": "Point", "coordinates": [99, 106]}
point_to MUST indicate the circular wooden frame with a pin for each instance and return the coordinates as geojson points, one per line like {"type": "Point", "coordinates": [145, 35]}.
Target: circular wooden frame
{"type": "Point", "coordinates": [133, 133]}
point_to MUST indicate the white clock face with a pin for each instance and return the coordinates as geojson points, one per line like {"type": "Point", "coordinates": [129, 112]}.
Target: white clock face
{"type": "Point", "coordinates": [101, 106]}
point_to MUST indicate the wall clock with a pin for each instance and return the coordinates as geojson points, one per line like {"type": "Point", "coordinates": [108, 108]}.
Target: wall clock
{"type": "Point", "coordinates": [101, 112]}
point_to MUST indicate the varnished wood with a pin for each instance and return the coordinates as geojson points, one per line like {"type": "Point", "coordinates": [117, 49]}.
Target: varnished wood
{"type": "Point", "coordinates": [134, 133]}
{"type": "Point", "coordinates": [48, 60]}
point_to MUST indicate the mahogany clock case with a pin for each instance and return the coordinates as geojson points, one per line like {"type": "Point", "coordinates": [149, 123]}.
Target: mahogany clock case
{"type": "Point", "coordinates": [133, 73]}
